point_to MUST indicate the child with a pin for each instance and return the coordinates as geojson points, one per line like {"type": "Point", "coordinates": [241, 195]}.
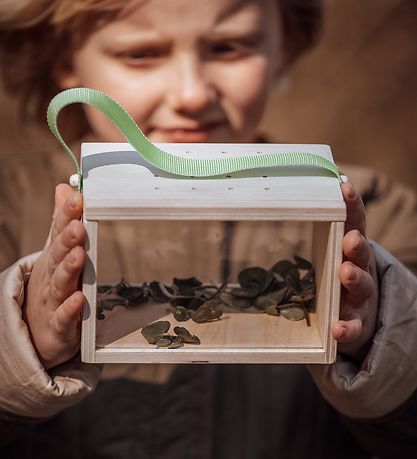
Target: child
{"type": "Point", "coordinates": [188, 72]}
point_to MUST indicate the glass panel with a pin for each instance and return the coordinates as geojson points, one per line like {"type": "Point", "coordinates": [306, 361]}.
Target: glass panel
{"type": "Point", "coordinates": [135, 253]}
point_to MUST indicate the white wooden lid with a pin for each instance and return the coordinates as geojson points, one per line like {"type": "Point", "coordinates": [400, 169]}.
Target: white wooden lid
{"type": "Point", "coordinates": [119, 184]}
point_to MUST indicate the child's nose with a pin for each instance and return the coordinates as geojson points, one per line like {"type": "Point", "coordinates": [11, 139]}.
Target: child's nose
{"type": "Point", "coordinates": [191, 89]}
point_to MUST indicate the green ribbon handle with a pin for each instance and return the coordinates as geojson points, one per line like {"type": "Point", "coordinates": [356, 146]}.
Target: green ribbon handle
{"type": "Point", "coordinates": [162, 159]}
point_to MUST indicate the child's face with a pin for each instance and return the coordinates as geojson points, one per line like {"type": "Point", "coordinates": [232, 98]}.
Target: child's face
{"type": "Point", "coordinates": [186, 71]}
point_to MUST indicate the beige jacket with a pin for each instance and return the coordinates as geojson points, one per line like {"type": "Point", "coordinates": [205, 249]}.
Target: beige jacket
{"type": "Point", "coordinates": [388, 375]}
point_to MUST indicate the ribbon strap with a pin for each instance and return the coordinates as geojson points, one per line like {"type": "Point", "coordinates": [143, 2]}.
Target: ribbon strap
{"type": "Point", "coordinates": [162, 159]}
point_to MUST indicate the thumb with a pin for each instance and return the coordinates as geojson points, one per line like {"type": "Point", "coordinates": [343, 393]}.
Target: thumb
{"type": "Point", "coordinates": [62, 192]}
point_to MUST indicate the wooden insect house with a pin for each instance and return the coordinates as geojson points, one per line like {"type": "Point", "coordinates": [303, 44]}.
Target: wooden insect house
{"type": "Point", "coordinates": [240, 266]}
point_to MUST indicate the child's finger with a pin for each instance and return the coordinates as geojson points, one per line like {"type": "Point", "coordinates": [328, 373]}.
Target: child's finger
{"type": "Point", "coordinates": [346, 331]}
{"type": "Point", "coordinates": [66, 318]}
{"type": "Point", "coordinates": [66, 276]}
{"type": "Point", "coordinates": [356, 249]}
{"type": "Point", "coordinates": [355, 209]}
{"type": "Point", "coordinates": [72, 235]}
{"type": "Point", "coordinates": [358, 283]}
{"type": "Point", "coordinates": [62, 192]}
{"type": "Point", "coordinates": [71, 210]}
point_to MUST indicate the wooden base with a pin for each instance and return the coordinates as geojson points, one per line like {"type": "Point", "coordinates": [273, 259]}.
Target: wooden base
{"type": "Point", "coordinates": [184, 356]}
{"type": "Point", "coordinates": [241, 337]}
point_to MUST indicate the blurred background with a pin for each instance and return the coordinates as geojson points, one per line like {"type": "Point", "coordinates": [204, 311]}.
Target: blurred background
{"type": "Point", "coordinates": [357, 91]}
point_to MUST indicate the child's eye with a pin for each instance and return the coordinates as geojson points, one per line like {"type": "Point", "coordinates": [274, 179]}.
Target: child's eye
{"type": "Point", "coordinates": [232, 49]}
{"type": "Point", "coordinates": [226, 50]}
{"type": "Point", "coordinates": [143, 57]}
{"type": "Point", "coordinates": [223, 48]}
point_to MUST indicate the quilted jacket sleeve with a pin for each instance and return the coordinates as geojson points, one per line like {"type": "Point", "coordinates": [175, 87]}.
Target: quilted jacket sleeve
{"type": "Point", "coordinates": [26, 389]}
{"type": "Point", "coordinates": [378, 399]}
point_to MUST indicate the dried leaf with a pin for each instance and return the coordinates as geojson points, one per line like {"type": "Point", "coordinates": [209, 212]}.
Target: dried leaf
{"type": "Point", "coordinates": [165, 341]}
{"type": "Point", "coordinates": [288, 305]}
{"type": "Point", "coordinates": [272, 298]}
{"type": "Point", "coordinates": [186, 291]}
{"type": "Point", "coordinates": [181, 314]}
{"type": "Point", "coordinates": [121, 286]}
{"type": "Point", "coordinates": [307, 285]}
{"type": "Point", "coordinates": [255, 277]}
{"type": "Point", "coordinates": [308, 296]}
{"type": "Point", "coordinates": [262, 303]}
{"type": "Point", "coordinates": [186, 336]}
{"type": "Point", "coordinates": [110, 303]}
{"type": "Point", "coordinates": [293, 282]}
{"type": "Point", "coordinates": [234, 301]}
{"type": "Point", "coordinates": [100, 315]}
{"type": "Point", "coordinates": [157, 293]}
{"type": "Point", "coordinates": [282, 267]}
{"type": "Point", "coordinates": [293, 313]}
{"type": "Point", "coordinates": [272, 310]}
{"type": "Point", "coordinates": [242, 292]}
{"type": "Point", "coordinates": [155, 331]}
{"type": "Point", "coordinates": [195, 303]}
{"type": "Point", "coordinates": [135, 302]}
{"type": "Point", "coordinates": [130, 293]}
{"type": "Point", "coordinates": [207, 312]}
{"type": "Point", "coordinates": [104, 288]}
{"type": "Point", "coordinates": [302, 263]}
{"type": "Point", "coordinates": [187, 282]}
{"type": "Point", "coordinates": [296, 299]}
{"type": "Point", "coordinates": [176, 343]}
{"type": "Point", "coordinates": [187, 302]}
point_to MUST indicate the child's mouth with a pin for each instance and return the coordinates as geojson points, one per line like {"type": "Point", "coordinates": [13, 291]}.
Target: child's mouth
{"type": "Point", "coordinates": [199, 133]}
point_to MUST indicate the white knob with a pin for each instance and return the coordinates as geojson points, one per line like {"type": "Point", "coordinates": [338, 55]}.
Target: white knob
{"type": "Point", "coordinates": [73, 180]}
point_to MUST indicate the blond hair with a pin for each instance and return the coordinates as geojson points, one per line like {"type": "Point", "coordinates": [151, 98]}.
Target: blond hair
{"type": "Point", "coordinates": [35, 34]}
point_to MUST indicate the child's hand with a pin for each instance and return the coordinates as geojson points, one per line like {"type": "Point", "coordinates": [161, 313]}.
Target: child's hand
{"type": "Point", "coordinates": [359, 302]}
{"type": "Point", "coordinates": [53, 302]}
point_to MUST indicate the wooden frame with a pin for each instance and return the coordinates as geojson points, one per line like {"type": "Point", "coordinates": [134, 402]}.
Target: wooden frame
{"type": "Point", "coordinates": [115, 190]}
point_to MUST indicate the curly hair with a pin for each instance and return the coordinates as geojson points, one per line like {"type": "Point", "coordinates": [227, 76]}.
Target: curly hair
{"type": "Point", "coordinates": [33, 34]}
